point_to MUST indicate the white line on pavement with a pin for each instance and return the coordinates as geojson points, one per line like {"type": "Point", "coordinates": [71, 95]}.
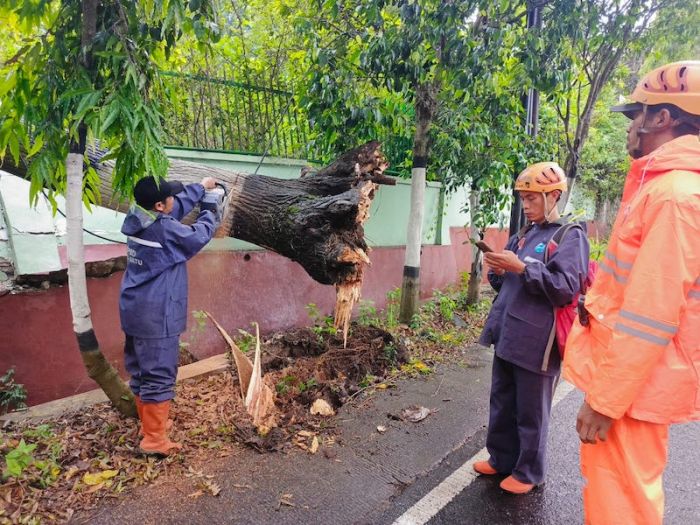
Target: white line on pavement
{"type": "Point", "coordinates": [430, 504]}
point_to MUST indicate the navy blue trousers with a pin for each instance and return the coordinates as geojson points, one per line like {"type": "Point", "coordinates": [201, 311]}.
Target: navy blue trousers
{"type": "Point", "coordinates": [521, 402]}
{"type": "Point", "coordinates": [152, 365]}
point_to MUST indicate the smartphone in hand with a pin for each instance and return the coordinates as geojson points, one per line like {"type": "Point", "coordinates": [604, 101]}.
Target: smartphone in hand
{"type": "Point", "coordinates": [483, 247]}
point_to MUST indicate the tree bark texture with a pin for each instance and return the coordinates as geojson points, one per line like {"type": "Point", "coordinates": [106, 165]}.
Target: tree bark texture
{"type": "Point", "coordinates": [316, 220]}
{"type": "Point", "coordinates": [476, 270]}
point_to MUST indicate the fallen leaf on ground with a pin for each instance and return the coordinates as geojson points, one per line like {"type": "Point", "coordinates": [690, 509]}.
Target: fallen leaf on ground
{"type": "Point", "coordinates": [98, 477]}
{"type": "Point", "coordinates": [196, 494]}
{"type": "Point", "coordinates": [314, 445]}
{"type": "Point", "coordinates": [322, 408]}
{"type": "Point", "coordinates": [284, 500]}
{"type": "Point", "coordinates": [212, 487]}
{"type": "Point", "coordinates": [415, 413]}
{"type": "Point", "coordinates": [381, 429]}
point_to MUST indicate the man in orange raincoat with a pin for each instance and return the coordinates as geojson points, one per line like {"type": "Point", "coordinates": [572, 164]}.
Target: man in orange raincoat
{"type": "Point", "coordinates": [637, 354]}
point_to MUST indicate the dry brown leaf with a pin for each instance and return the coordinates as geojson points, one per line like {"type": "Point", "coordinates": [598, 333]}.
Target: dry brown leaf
{"type": "Point", "coordinates": [196, 494]}
{"type": "Point", "coordinates": [415, 413]}
{"type": "Point", "coordinates": [321, 407]}
{"type": "Point", "coordinates": [314, 446]}
{"type": "Point", "coordinates": [213, 488]}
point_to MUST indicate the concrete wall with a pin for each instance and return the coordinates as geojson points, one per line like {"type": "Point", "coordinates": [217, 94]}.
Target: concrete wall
{"type": "Point", "coordinates": [237, 287]}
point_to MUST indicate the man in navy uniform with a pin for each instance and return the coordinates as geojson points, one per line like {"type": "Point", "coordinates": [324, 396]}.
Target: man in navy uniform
{"type": "Point", "coordinates": [153, 300]}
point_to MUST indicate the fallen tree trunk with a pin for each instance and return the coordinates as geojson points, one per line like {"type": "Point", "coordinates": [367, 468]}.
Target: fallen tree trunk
{"type": "Point", "coordinates": [316, 220]}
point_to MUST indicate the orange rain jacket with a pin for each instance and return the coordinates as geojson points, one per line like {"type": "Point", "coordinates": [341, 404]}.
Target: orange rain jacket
{"type": "Point", "coordinates": [640, 354]}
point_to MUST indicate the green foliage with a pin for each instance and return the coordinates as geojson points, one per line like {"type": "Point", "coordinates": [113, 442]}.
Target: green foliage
{"type": "Point", "coordinates": [200, 318]}
{"type": "Point", "coordinates": [416, 367]}
{"type": "Point", "coordinates": [393, 307]}
{"type": "Point", "coordinates": [322, 324]}
{"type": "Point", "coordinates": [18, 459]}
{"type": "Point", "coordinates": [246, 342]}
{"type": "Point", "coordinates": [368, 380]}
{"type": "Point", "coordinates": [285, 384]}
{"type": "Point", "coordinates": [288, 382]}
{"type": "Point", "coordinates": [371, 61]}
{"type": "Point", "coordinates": [309, 384]}
{"type": "Point", "coordinates": [368, 315]}
{"type": "Point", "coordinates": [446, 304]}
{"type": "Point", "coordinates": [58, 92]}
{"type": "Point", "coordinates": [604, 160]}
{"type": "Point", "coordinates": [12, 395]}
{"type": "Point", "coordinates": [598, 249]}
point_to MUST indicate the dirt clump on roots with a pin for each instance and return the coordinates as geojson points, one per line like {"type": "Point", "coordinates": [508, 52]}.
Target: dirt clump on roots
{"type": "Point", "coordinates": [304, 365]}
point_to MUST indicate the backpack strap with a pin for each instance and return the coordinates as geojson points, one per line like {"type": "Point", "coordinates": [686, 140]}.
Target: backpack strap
{"type": "Point", "coordinates": [552, 244]}
{"type": "Point", "coordinates": [558, 237]}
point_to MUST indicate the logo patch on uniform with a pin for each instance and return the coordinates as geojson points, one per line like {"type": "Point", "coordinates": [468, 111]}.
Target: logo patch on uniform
{"type": "Point", "coordinates": [540, 248]}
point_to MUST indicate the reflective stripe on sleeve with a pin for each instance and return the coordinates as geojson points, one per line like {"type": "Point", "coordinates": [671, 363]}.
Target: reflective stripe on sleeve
{"type": "Point", "coordinates": [618, 262]}
{"type": "Point", "coordinates": [144, 242]}
{"type": "Point", "coordinates": [607, 269]}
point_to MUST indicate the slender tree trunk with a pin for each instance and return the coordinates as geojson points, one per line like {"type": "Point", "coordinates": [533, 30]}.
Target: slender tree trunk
{"type": "Point", "coordinates": [598, 80]}
{"type": "Point", "coordinates": [476, 269]}
{"type": "Point", "coordinates": [426, 104]}
{"type": "Point", "coordinates": [98, 368]}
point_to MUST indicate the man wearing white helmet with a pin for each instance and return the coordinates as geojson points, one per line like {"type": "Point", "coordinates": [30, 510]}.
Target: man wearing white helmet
{"type": "Point", "coordinates": [638, 357]}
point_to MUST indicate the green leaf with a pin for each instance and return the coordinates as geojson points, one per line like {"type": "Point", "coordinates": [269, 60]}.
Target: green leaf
{"type": "Point", "coordinates": [18, 459]}
{"type": "Point", "coordinates": [13, 142]}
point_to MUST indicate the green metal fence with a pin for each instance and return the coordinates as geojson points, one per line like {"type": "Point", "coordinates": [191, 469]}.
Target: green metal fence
{"type": "Point", "coordinates": [257, 118]}
{"type": "Point", "coordinates": [224, 114]}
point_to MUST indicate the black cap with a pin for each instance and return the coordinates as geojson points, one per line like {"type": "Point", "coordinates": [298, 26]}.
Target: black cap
{"type": "Point", "coordinates": [628, 110]}
{"type": "Point", "coordinates": [148, 191]}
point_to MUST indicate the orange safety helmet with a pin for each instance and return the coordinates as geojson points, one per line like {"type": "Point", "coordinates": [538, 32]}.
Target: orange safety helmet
{"type": "Point", "coordinates": [542, 177]}
{"type": "Point", "coordinates": [677, 84]}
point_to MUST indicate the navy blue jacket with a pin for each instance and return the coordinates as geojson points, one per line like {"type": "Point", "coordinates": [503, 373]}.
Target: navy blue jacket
{"type": "Point", "coordinates": [521, 317]}
{"type": "Point", "coordinates": [153, 300]}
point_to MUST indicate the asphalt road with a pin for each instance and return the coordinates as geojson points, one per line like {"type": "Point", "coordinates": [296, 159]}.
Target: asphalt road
{"type": "Point", "coordinates": [559, 500]}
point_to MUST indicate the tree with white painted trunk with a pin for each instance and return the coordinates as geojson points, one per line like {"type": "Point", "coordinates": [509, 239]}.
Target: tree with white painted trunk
{"type": "Point", "coordinates": [426, 103]}
{"type": "Point", "coordinates": [389, 69]}
{"type": "Point", "coordinates": [81, 70]}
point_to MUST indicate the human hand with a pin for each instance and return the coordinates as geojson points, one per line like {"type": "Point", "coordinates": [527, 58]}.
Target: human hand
{"type": "Point", "coordinates": [209, 183]}
{"type": "Point", "coordinates": [590, 424]}
{"type": "Point", "coordinates": [505, 261]}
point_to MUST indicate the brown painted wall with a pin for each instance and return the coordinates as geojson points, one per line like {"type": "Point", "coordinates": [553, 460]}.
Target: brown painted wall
{"type": "Point", "coordinates": [236, 287]}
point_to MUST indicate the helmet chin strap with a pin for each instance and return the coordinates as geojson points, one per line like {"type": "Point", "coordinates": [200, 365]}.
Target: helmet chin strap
{"type": "Point", "coordinates": [637, 149]}
{"type": "Point", "coordinates": [548, 214]}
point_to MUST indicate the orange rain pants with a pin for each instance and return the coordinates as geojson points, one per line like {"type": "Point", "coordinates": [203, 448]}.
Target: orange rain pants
{"type": "Point", "coordinates": [624, 474]}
